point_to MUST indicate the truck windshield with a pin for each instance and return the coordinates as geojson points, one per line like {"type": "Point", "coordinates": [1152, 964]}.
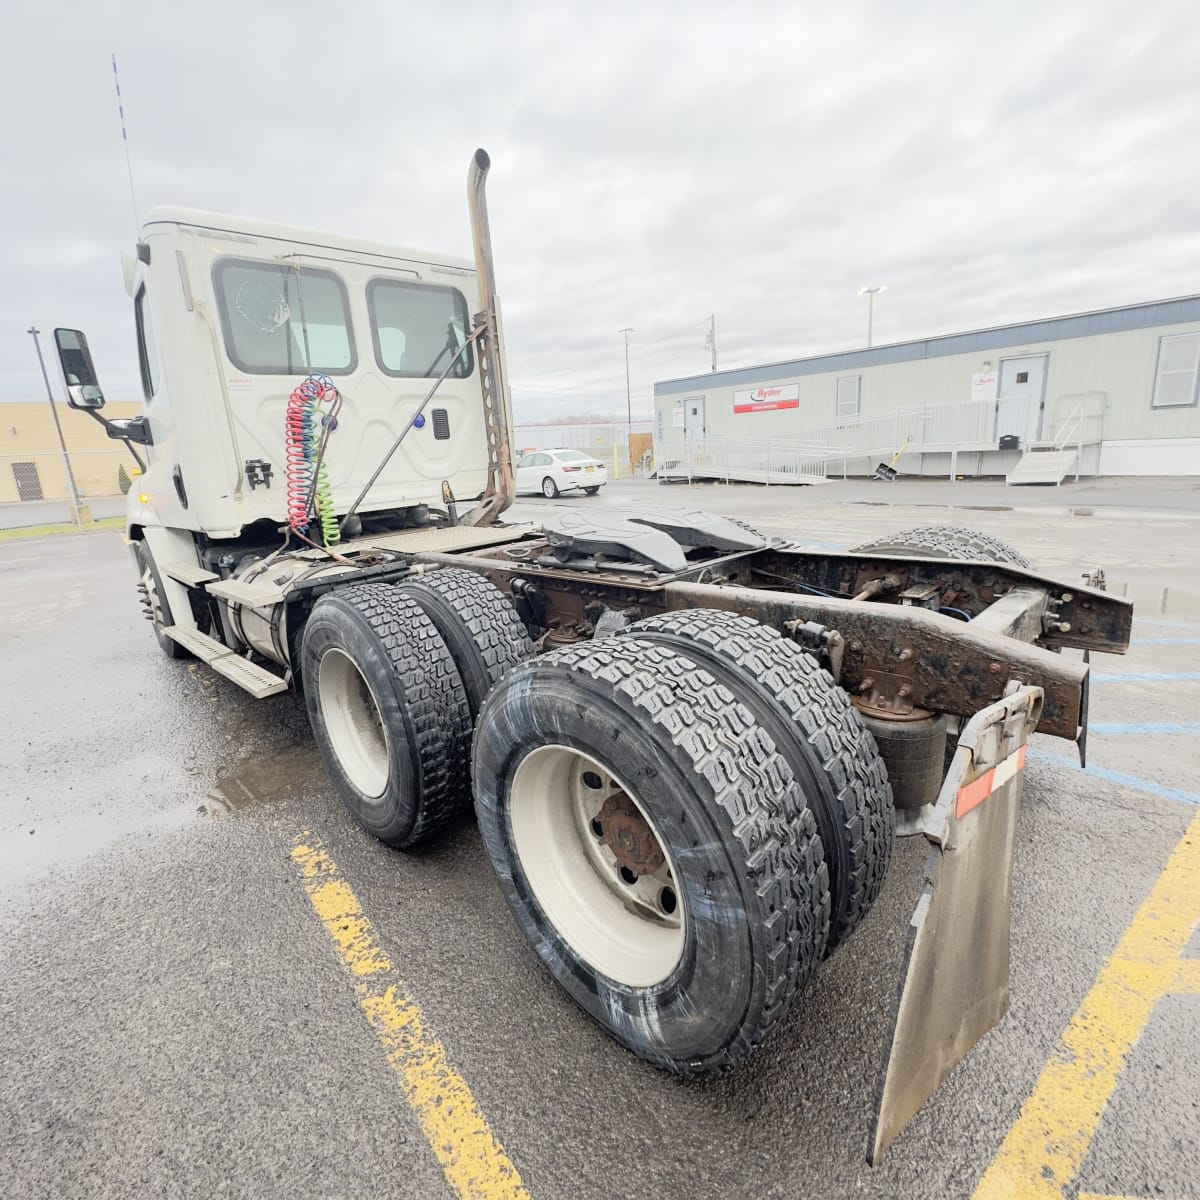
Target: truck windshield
{"type": "Point", "coordinates": [417, 327]}
{"type": "Point", "coordinates": [280, 320]}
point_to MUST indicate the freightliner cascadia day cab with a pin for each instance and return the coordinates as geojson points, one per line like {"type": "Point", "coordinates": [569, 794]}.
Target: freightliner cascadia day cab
{"type": "Point", "coordinates": [688, 746]}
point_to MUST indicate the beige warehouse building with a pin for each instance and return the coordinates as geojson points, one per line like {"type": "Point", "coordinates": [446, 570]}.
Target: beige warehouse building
{"type": "Point", "coordinates": [31, 459]}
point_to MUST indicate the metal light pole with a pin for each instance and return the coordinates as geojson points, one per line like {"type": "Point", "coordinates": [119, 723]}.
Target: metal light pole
{"type": "Point", "coordinates": [871, 293]}
{"type": "Point", "coordinates": [628, 401]}
{"type": "Point", "coordinates": [33, 333]}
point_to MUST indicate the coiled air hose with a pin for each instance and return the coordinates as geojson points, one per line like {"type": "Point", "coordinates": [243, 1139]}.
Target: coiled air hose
{"type": "Point", "coordinates": [306, 430]}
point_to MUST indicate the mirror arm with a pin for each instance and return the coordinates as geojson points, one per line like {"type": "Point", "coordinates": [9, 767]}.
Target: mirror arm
{"type": "Point", "coordinates": [133, 430]}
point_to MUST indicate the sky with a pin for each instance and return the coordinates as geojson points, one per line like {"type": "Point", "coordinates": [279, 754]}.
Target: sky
{"type": "Point", "coordinates": [652, 165]}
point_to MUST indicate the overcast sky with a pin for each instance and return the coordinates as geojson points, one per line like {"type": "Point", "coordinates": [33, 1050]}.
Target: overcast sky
{"type": "Point", "coordinates": [652, 164]}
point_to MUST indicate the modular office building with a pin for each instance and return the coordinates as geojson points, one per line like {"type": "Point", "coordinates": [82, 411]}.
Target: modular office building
{"type": "Point", "coordinates": [1119, 387]}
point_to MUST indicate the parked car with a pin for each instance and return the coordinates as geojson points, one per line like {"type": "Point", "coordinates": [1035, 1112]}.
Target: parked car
{"type": "Point", "coordinates": [553, 471]}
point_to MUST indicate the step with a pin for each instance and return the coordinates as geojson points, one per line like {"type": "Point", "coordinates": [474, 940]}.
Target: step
{"type": "Point", "coordinates": [1042, 466]}
{"type": "Point", "coordinates": [200, 644]}
{"type": "Point", "coordinates": [253, 594]}
{"type": "Point", "coordinates": [250, 677]}
{"type": "Point", "coordinates": [189, 574]}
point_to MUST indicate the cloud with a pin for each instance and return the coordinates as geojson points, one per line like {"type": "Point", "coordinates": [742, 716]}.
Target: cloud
{"type": "Point", "coordinates": [652, 165]}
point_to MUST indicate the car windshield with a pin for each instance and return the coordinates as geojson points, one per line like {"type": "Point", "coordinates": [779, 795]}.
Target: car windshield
{"type": "Point", "coordinates": [572, 456]}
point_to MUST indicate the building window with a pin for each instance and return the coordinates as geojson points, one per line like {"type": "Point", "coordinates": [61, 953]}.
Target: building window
{"type": "Point", "coordinates": [280, 320]}
{"type": "Point", "coordinates": [1175, 379]}
{"type": "Point", "coordinates": [849, 397]}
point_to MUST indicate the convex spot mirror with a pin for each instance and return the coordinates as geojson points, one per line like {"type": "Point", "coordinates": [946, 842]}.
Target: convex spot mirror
{"type": "Point", "coordinates": [83, 388]}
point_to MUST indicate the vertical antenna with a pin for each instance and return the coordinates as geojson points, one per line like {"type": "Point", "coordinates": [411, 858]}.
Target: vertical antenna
{"type": "Point", "coordinates": [137, 232]}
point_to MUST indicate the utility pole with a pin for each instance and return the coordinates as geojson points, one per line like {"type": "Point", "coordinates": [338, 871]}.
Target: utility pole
{"type": "Point", "coordinates": [33, 332]}
{"type": "Point", "coordinates": [710, 342]}
{"type": "Point", "coordinates": [628, 400]}
{"type": "Point", "coordinates": [871, 293]}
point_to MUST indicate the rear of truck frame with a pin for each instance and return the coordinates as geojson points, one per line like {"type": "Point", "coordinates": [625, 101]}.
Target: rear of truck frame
{"type": "Point", "coordinates": [688, 747]}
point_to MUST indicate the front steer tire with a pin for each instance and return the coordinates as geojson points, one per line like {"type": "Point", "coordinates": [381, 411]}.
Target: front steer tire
{"type": "Point", "coordinates": [155, 600]}
{"type": "Point", "coordinates": [388, 712]}
{"type": "Point", "coordinates": [697, 986]}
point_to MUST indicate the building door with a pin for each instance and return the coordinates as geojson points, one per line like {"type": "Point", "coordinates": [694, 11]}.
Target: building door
{"type": "Point", "coordinates": [29, 484]}
{"type": "Point", "coordinates": [1021, 397]}
{"type": "Point", "coordinates": [693, 417]}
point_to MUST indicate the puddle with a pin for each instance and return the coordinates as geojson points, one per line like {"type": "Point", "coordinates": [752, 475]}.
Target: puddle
{"type": "Point", "coordinates": [1149, 600]}
{"type": "Point", "coordinates": [261, 781]}
{"type": "Point", "coordinates": [26, 854]}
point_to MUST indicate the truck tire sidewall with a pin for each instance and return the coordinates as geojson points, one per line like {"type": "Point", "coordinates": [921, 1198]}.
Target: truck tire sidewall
{"type": "Point", "coordinates": [391, 816]}
{"type": "Point", "coordinates": [665, 1022]}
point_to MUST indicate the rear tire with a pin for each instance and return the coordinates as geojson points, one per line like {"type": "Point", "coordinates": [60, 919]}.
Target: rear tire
{"type": "Point", "coordinates": [695, 796]}
{"type": "Point", "coordinates": [591, 491]}
{"type": "Point", "coordinates": [945, 541]}
{"type": "Point", "coordinates": [549, 488]}
{"type": "Point", "coordinates": [831, 753]}
{"type": "Point", "coordinates": [387, 710]}
{"type": "Point", "coordinates": [479, 625]}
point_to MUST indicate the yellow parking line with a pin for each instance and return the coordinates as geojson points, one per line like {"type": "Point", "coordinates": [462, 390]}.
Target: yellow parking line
{"type": "Point", "coordinates": [472, 1160]}
{"type": "Point", "coordinates": [1046, 1145]}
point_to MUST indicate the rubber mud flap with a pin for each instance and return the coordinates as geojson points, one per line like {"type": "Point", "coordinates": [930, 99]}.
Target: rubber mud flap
{"type": "Point", "coordinates": [955, 985]}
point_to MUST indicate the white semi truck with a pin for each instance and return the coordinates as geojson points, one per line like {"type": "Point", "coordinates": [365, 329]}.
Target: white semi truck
{"type": "Point", "coordinates": [688, 747]}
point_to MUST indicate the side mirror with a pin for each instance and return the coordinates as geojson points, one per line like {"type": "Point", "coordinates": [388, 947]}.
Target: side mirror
{"type": "Point", "coordinates": [83, 388]}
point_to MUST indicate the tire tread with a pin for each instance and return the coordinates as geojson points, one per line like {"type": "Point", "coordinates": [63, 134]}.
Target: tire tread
{"type": "Point", "coordinates": [858, 797]}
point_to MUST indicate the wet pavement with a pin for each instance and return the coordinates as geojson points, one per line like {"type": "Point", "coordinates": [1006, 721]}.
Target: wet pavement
{"type": "Point", "coordinates": [173, 1020]}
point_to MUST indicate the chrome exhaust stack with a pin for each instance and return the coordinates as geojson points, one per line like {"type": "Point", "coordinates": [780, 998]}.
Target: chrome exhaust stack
{"type": "Point", "coordinates": [497, 407]}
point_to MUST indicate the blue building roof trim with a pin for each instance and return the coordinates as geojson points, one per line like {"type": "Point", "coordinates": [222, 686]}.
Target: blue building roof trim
{"type": "Point", "coordinates": [1051, 329]}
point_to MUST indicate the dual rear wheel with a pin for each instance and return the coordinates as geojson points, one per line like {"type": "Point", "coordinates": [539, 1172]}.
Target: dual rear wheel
{"type": "Point", "coordinates": [684, 819]}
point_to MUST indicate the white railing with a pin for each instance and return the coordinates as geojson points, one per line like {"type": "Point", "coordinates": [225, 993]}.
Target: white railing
{"type": "Point", "coordinates": [930, 426]}
{"type": "Point", "coordinates": [1071, 419]}
{"type": "Point", "coordinates": [735, 460]}
{"type": "Point", "coordinates": [1076, 417]}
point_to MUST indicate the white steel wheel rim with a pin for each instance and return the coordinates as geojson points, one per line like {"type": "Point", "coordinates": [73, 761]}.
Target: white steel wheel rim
{"type": "Point", "coordinates": [631, 932]}
{"type": "Point", "coordinates": [548, 487]}
{"type": "Point", "coordinates": [353, 723]}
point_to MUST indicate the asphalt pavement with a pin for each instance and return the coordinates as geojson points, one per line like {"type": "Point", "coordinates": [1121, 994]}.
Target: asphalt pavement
{"type": "Point", "coordinates": [174, 1020]}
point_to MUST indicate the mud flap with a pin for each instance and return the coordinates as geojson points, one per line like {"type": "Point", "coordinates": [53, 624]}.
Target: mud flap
{"type": "Point", "coordinates": [956, 983]}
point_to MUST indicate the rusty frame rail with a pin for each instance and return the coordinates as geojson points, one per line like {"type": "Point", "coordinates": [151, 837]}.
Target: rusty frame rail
{"type": "Point", "coordinates": [895, 659]}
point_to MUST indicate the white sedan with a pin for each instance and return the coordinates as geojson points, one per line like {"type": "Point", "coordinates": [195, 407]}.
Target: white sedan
{"type": "Point", "coordinates": [553, 471]}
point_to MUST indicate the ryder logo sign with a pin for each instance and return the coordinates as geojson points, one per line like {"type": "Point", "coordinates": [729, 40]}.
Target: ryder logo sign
{"type": "Point", "coordinates": [767, 399]}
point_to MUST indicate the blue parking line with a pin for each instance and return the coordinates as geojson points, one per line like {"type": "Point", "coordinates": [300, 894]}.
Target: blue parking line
{"type": "Point", "coordinates": [1144, 727]}
{"type": "Point", "coordinates": [1130, 781]}
{"type": "Point", "coordinates": [1148, 677]}
{"type": "Point", "coordinates": [1165, 641]}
